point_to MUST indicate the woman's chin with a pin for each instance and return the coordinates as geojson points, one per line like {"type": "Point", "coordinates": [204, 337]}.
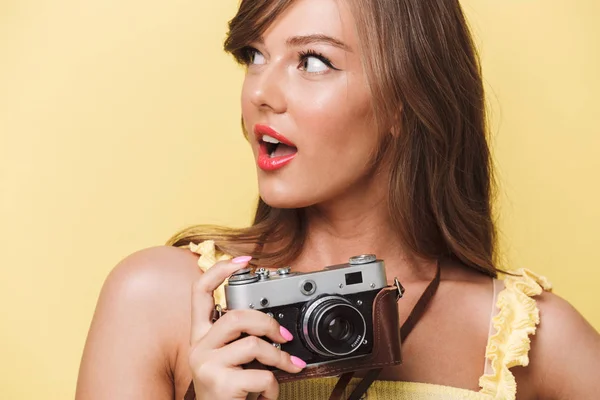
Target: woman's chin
{"type": "Point", "coordinates": [282, 203]}
{"type": "Point", "coordinates": [285, 199]}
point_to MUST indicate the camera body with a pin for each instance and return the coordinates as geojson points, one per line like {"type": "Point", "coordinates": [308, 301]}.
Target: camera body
{"type": "Point", "coordinates": [329, 312]}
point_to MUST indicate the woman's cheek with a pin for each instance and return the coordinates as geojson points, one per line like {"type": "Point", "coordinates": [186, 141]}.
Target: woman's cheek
{"type": "Point", "coordinates": [321, 110]}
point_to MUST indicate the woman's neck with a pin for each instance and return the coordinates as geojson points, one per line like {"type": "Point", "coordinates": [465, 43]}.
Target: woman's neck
{"type": "Point", "coordinates": [359, 224]}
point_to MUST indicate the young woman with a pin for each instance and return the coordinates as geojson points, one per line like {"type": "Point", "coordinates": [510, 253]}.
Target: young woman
{"type": "Point", "coordinates": [367, 122]}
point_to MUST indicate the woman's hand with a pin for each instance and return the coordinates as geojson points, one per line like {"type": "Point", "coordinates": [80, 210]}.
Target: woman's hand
{"type": "Point", "coordinates": [216, 365]}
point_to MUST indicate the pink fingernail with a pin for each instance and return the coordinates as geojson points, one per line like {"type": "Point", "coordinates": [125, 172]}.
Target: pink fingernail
{"type": "Point", "coordinates": [241, 260]}
{"type": "Point", "coordinates": [298, 362]}
{"type": "Point", "coordinates": [286, 334]}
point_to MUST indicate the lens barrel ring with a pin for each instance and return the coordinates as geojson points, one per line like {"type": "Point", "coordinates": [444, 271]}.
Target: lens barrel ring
{"type": "Point", "coordinates": [326, 309]}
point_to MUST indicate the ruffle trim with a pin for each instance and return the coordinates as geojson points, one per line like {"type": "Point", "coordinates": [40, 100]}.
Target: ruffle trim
{"type": "Point", "coordinates": [517, 318]}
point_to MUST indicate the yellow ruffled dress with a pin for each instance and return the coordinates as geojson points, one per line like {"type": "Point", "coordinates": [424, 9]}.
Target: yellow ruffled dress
{"type": "Point", "coordinates": [516, 317]}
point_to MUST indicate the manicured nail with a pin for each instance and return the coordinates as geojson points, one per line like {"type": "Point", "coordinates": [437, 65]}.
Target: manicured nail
{"type": "Point", "coordinates": [286, 334]}
{"type": "Point", "coordinates": [298, 362]}
{"type": "Point", "coordinates": [241, 260]}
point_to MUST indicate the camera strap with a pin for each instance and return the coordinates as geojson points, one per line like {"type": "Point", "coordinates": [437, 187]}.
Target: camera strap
{"type": "Point", "coordinates": [371, 375]}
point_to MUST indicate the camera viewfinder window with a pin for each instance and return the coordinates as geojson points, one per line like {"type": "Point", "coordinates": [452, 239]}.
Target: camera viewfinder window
{"type": "Point", "coordinates": [354, 278]}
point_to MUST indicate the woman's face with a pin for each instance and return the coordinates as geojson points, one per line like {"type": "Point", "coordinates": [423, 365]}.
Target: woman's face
{"type": "Point", "coordinates": [306, 83]}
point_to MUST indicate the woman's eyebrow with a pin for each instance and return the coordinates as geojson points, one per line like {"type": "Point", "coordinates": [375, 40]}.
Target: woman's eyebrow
{"type": "Point", "coordinates": [297, 41]}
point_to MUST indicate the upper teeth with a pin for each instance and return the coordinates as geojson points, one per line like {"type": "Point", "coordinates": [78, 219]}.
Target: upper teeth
{"type": "Point", "coordinates": [270, 139]}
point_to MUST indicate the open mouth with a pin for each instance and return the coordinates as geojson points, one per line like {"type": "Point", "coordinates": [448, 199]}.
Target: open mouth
{"type": "Point", "coordinates": [275, 148]}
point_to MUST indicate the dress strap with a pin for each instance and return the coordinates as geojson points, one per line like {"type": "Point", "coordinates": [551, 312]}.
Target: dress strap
{"type": "Point", "coordinates": [497, 286]}
{"type": "Point", "coordinates": [516, 319]}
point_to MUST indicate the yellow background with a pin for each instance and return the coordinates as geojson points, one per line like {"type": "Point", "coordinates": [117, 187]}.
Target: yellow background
{"type": "Point", "coordinates": [114, 114]}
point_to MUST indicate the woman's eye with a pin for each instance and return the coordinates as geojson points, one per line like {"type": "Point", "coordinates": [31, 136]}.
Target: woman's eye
{"type": "Point", "coordinates": [256, 57]}
{"type": "Point", "coordinates": [314, 65]}
{"type": "Point", "coordinates": [251, 56]}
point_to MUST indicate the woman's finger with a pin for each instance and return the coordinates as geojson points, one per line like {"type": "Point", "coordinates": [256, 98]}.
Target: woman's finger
{"type": "Point", "coordinates": [253, 348]}
{"type": "Point", "coordinates": [256, 381]}
{"type": "Point", "coordinates": [253, 322]}
{"type": "Point", "coordinates": [202, 294]}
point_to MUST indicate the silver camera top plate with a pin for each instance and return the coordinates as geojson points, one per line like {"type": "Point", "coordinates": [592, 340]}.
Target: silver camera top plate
{"type": "Point", "coordinates": [274, 288]}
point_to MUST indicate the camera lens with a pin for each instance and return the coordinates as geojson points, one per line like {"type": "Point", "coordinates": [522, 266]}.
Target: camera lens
{"type": "Point", "coordinates": [332, 326]}
{"type": "Point", "coordinates": [339, 329]}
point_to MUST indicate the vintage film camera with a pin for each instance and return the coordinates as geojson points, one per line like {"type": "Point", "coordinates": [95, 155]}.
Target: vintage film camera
{"type": "Point", "coordinates": [330, 312]}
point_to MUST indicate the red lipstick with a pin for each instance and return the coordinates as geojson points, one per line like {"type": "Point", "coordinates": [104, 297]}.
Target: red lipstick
{"type": "Point", "coordinates": [268, 158]}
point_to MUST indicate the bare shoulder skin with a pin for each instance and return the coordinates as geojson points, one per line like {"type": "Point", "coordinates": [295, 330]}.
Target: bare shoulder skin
{"type": "Point", "coordinates": [139, 336]}
{"type": "Point", "coordinates": [565, 352]}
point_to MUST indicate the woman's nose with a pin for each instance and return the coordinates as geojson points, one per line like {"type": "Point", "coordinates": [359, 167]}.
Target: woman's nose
{"type": "Point", "coordinates": [268, 90]}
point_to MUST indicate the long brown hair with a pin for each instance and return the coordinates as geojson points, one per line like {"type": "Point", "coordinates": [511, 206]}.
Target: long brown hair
{"type": "Point", "coordinates": [425, 79]}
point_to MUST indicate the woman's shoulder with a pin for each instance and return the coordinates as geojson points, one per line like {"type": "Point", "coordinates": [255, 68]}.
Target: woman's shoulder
{"type": "Point", "coordinates": [540, 330]}
{"type": "Point", "coordinates": [163, 260]}
{"type": "Point", "coordinates": [140, 326]}
{"type": "Point", "coordinates": [156, 281]}
{"type": "Point", "coordinates": [154, 273]}
{"type": "Point", "coordinates": [160, 276]}
{"type": "Point", "coordinates": [565, 351]}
